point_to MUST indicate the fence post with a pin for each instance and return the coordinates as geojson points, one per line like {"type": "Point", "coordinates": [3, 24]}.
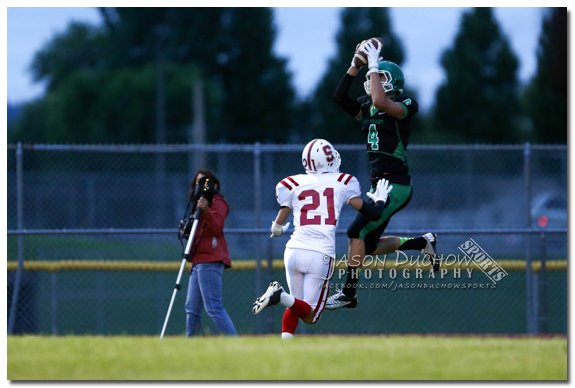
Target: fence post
{"type": "Point", "coordinates": [20, 221]}
{"type": "Point", "coordinates": [197, 133]}
{"type": "Point", "coordinates": [543, 311]}
{"type": "Point", "coordinates": [54, 302]}
{"type": "Point", "coordinates": [257, 210]}
{"type": "Point", "coordinates": [530, 313]}
{"type": "Point", "coordinates": [270, 271]}
{"type": "Point", "coordinates": [258, 183]}
{"type": "Point", "coordinates": [162, 212]}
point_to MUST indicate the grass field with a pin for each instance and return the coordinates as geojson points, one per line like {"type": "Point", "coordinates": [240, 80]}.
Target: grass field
{"type": "Point", "coordinates": [303, 358]}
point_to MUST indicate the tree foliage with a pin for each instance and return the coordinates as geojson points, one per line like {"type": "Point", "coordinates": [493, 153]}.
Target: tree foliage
{"type": "Point", "coordinates": [259, 100]}
{"type": "Point", "coordinates": [547, 92]}
{"type": "Point", "coordinates": [478, 102]}
{"type": "Point", "coordinates": [357, 24]}
{"type": "Point", "coordinates": [103, 82]}
{"type": "Point", "coordinates": [81, 46]}
{"type": "Point", "coordinates": [111, 107]}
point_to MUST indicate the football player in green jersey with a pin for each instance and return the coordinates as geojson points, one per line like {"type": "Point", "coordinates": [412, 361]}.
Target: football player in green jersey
{"type": "Point", "coordinates": [385, 114]}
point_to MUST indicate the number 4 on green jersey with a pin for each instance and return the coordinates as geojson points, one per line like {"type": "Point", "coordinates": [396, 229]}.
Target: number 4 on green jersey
{"type": "Point", "coordinates": [373, 138]}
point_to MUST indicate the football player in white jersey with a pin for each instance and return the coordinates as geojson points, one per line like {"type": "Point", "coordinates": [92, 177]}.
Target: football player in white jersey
{"type": "Point", "coordinates": [316, 199]}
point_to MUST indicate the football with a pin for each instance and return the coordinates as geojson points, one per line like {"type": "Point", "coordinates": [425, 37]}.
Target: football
{"type": "Point", "coordinates": [360, 59]}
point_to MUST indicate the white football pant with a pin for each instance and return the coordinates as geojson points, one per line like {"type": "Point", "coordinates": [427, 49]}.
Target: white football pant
{"type": "Point", "coordinates": [308, 273]}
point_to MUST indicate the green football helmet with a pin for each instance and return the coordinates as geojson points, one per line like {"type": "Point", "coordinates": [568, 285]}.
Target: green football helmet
{"type": "Point", "coordinates": [394, 75]}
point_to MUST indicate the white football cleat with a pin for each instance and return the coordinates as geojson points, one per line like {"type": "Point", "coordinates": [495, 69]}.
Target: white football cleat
{"type": "Point", "coordinates": [339, 300]}
{"type": "Point", "coordinates": [429, 250]}
{"type": "Point", "coordinates": [269, 298]}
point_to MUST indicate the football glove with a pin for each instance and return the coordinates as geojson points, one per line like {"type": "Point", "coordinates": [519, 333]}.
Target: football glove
{"type": "Point", "coordinates": [372, 56]}
{"type": "Point", "coordinates": [353, 58]}
{"type": "Point", "coordinates": [278, 230]}
{"type": "Point", "coordinates": [381, 192]}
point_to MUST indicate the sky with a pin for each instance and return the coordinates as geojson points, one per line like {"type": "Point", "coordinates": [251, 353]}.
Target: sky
{"type": "Point", "coordinates": [305, 37]}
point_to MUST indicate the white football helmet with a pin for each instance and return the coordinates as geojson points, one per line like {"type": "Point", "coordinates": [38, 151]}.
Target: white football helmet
{"type": "Point", "coordinates": [319, 156]}
{"type": "Point", "coordinates": [337, 161]}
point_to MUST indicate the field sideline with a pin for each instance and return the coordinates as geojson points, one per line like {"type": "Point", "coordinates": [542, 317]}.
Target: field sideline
{"type": "Point", "coordinates": [313, 357]}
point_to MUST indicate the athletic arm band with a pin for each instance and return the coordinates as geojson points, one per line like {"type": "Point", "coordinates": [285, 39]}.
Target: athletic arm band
{"type": "Point", "coordinates": [372, 212]}
{"type": "Point", "coordinates": [351, 106]}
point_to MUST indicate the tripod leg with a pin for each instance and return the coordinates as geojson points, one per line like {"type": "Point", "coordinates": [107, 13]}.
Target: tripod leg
{"type": "Point", "coordinates": [184, 260]}
{"type": "Point", "coordinates": [176, 289]}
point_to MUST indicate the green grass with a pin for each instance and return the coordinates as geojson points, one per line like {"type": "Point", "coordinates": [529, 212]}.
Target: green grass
{"type": "Point", "coordinates": [303, 358]}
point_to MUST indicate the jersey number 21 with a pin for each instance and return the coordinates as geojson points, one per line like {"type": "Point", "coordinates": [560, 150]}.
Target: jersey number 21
{"type": "Point", "coordinates": [316, 202]}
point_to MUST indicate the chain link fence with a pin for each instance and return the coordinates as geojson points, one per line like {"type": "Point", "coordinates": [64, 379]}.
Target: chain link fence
{"type": "Point", "coordinates": [92, 239]}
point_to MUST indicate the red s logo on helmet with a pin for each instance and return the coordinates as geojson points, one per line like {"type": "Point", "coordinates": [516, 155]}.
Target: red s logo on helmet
{"type": "Point", "coordinates": [328, 153]}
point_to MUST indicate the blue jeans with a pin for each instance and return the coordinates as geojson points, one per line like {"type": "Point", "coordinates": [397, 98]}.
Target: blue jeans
{"type": "Point", "coordinates": [205, 290]}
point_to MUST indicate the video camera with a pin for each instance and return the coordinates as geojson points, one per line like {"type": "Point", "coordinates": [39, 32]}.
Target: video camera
{"type": "Point", "coordinates": [205, 188]}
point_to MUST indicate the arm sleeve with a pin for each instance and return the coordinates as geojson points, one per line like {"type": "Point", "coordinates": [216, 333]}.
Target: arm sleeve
{"type": "Point", "coordinates": [372, 212]}
{"type": "Point", "coordinates": [283, 195]}
{"type": "Point", "coordinates": [351, 106]}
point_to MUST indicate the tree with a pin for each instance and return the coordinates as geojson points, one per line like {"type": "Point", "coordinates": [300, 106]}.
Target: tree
{"type": "Point", "coordinates": [547, 92]}
{"type": "Point", "coordinates": [97, 75]}
{"type": "Point", "coordinates": [357, 24]}
{"type": "Point", "coordinates": [478, 102]}
{"type": "Point", "coordinates": [109, 107]}
{"type": "Point", "coordinates": [81, 46]}
{"type": "Point", "coordinates": [259, 100]}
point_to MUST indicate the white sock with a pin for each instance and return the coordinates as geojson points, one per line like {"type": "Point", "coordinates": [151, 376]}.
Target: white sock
{"type": "Point", "coordinates": [286, 335]}
{"type": "Point", "coordinates": [286, 299]}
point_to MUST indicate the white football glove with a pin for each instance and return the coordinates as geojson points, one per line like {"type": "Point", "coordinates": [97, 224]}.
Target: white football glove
{"type": "Point", "coordinates": [353, 62]}
{"type": "Point", "coordinates": [381, 191]}
{"type": "Point", "coordinates": [353, 59]}
{"type": "Point", "coordinates": [278, 230]}
{"type": "Point", "coordinates": [372, 55]}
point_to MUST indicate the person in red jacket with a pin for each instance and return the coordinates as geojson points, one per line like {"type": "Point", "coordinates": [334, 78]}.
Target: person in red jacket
{"type": "Point", "coordinates": [209, 257]}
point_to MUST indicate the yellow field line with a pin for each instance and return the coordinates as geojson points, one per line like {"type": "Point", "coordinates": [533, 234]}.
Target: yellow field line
{"type": "Point", "coordinates": [249, 265]}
